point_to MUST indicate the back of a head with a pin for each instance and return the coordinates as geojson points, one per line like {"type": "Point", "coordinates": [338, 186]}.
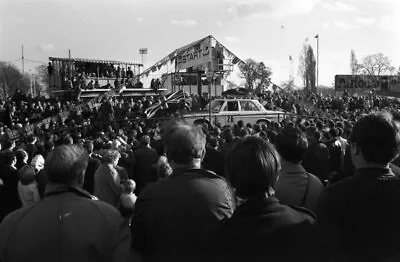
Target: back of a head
{"type": "Point", "coordinates": [66, 164]}
{"type": "Point", "coordinates": [252, 167]}
{"type": "Point", "coordinates": [377, 135]}
{"type": "Point", "coordinates": [111, 156]}
{"type": "Point", "coordinates": [7, 158]}
{"type": "Point", "coordinates": [184, 143]}
{"type": "Point", "coordinates": [21, 155]}
{"type": "Point", "coordinates": [26, 174]}
{"type": "Point", "coordinates": [212, 141]}
{"type": "Point", "coordinates": [67, 140]}
{"type": "Point", "coordinates": [291, 144]}
{"type": "Point", "coordinates": [145, 140]}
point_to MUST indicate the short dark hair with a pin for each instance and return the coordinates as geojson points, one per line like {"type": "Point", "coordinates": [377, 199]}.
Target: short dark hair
{"type": "Point", "coordinates": [65, 163]}
{"type": "Point", "coordinates": [291, 144]}
{"type": "Point", "coordinates": [67, 140]}
{"type": "Point", "coordinates": [183, 143]}
{"type": "Point", "coordinates": [377, 135]}
{"type": "Point", "coordinates": [20, 155]}
{"type": "Point", "coordinates": [6, 158]}
{"type": "Point", "coordinates": [252, 167]}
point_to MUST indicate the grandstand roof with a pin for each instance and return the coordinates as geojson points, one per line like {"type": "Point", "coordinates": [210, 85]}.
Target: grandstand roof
{"type": "Point", "coordinates": [88, 60]}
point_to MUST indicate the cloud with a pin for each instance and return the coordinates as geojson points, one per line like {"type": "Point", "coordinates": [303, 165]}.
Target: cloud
{"type": "Point", "coordinates": [345, 25]}
{"type": "Point", "coordinates": [139, 19]}
{"type": "Point", "coordinates": [339, 6]}
{"type": "Point", "coordinates": [367, 21]}
{"type": "Point", "coordinates": [46, 47]}
{"type": "Point", "coordinates": [219, 23]}
{"type": "Point", "coordinates": [231, 39]}
{"type": "Point", "coordinates": [185, 23]}
{"type": "Point", "coordinates": [249, 9]}
{"type": "Point", "coordinates": [326, 25]}
{"type": "Point", "coordinates": [275, 9]}
{"type": "Point", "coordinates": [390, 23]}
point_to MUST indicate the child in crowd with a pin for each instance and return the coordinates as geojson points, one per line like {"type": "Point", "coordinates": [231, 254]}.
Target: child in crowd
{"type": "Point", "coordinates": [128, 198]}
{"type": "Point", "coordinates": [28, 191]}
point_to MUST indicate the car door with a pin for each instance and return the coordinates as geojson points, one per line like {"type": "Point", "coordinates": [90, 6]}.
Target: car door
{"type": "Point", "coordinates": [249, 111]}
{"type": "Point", "coordinates": [230, 112]}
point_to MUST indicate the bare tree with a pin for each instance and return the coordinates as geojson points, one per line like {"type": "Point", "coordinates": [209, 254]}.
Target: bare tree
{"type": "Point", "coordinates": [255, 74]}
{"type": "Point", "coordinates": [307, 64]}
{"type": "Point", "coordinates": [376, 64]}
{"type": "Point", "coordinates": [12, 79]}
{"type": "Point", "coordinates": [354, 66]}
{"type": "Point", "coordinates": [43, 73]}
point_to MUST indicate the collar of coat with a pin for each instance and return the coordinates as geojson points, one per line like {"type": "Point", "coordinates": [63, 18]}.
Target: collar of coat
{"type": "Point", "coordinates": [53, 189]}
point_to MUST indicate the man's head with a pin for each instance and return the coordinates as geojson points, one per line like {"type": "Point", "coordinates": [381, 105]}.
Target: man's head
{"type": "Point", "coordinates": [184, 144]}
{"type": "Point", "coordinates": [145, 140]}
{"type": "Point", "coordinates": [66, 164]}
{"type": "Point", "coordinates": [375, 139]}
{"type": "Point", "coordinates": [291, 144]}
{"type": "Point", "coordinates": [252, 167]}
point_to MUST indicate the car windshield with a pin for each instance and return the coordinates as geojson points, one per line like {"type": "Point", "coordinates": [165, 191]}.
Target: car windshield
{"type": "Point", "coordinates": [215, 106]}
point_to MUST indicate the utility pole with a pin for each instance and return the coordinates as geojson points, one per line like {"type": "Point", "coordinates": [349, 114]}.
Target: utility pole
{"type": "Point", "coordinates": [317, 37]}
{"type": "Point", "coordinates": [22, 59]}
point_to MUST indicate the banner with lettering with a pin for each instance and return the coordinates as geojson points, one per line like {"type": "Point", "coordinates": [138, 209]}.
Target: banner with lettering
{"type": "Point", "coordinates": [196, 54]}
{"type": "Point", "coordinates": [359, 82]}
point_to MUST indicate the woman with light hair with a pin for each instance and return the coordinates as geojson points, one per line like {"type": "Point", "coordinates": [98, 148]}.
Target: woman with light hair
{"type": "Point", "coordinates": [38, 165]}
{"type": "Point", "coordinates": [107, 180]}
{"type": "Point", "coordinates": [28, 191]}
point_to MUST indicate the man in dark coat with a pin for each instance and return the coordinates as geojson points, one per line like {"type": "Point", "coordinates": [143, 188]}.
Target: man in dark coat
{"type": "Point", "coordinates": [9, 199]}
{"type": "Point", "coordinates": [175, 218]}
{"type": "Point", "coordinates": [214, 158]}
{"type": "Point", "coordinates": [93, 164]}
{"type": "Point", "coordinates": [145, 156]}
{"type": "Point", "coordinates": [360, 215]}
{"type": "Point", "coordinates": [261, 228]}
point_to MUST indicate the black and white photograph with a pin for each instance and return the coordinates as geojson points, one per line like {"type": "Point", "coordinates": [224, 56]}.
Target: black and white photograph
{"type": "Point", "coordinates": [213, 130]}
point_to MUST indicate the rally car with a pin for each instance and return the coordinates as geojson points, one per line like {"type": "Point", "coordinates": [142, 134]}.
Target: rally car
{"type": "Point", "coordinates": [228, 111]}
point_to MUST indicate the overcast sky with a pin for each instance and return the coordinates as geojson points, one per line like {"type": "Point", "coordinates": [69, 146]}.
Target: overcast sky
{"type": "Point", "coordinates": [265, 30]}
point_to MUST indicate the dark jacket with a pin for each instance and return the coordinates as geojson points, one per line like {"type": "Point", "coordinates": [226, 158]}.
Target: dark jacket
{"type": "Point", "coordinates": [67, 225]}
{"type": "Point", "coordinates": [9, 199]}
{"type": "Point", "coordinates": [265, 230]}
{"type": "Point", "coordinates": [316, 160]}
{"type": "Point", "coordinates": [176, 217]}
{"type": "Point", "coordinates": [32, 150]}
{"type": "Point", "coordinates": [360, 216]}
{"type": "Point", "coordinates": [214, 161]}
{"type": "Point", "coordinates": [41, 180]}
{"type": "Point", "coordinates": [145, 157]}
{"type": "Point", "coordinates": [93, 164]}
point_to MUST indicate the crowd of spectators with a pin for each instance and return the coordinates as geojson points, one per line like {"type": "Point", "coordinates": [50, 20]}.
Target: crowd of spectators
{"type": "Point", "coordinates": [320, 186]}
